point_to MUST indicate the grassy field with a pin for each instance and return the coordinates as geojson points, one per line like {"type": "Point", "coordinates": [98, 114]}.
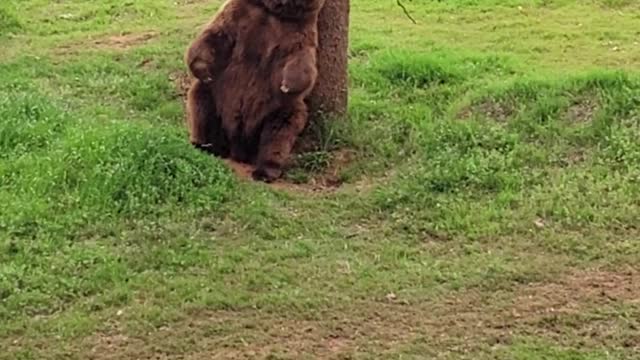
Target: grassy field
{"type": "Point", "coordinates": [482, 201]}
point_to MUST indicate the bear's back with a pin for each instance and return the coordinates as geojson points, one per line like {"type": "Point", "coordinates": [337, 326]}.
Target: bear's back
{"type": "Point", "coordinates": [262, 38]}
{"type": "Point", "coordinates": [249, 87]}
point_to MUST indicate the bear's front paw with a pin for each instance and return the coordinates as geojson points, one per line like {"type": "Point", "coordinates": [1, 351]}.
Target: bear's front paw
{"type": "Point", "coordinates": [266, 174]}
{"type": "Point", "coordinates": [208, 148]}
{"type": "Point", "coordinates": [201, 71]}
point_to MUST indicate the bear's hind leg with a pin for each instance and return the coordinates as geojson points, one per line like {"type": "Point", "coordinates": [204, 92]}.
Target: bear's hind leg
{"type": "Point", "coordinates": [242, 149]}
{"type": "Point", "coordinates": [278, 136]}
{"type": "Point", "coordinates": [205, 126]}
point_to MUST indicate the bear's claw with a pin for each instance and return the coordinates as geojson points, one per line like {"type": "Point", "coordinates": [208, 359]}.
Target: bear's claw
{"type": "Point", "coordinates": [267, 175]}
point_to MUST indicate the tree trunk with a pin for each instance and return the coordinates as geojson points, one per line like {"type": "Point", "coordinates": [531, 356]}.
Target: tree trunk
{"type": "Point", "coordinates": [330, 96]}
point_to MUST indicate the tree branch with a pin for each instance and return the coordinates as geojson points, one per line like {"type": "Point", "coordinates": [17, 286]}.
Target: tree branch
{"type": "Point", "coordinates": [406, 12]}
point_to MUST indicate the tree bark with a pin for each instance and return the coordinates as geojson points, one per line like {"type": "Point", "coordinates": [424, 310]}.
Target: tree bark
{"type": "Point", "coordinates": [330, 96]}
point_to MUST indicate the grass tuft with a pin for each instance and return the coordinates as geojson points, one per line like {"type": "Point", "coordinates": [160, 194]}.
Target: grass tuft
{"type": "Point", "coordinates": [9, 23]}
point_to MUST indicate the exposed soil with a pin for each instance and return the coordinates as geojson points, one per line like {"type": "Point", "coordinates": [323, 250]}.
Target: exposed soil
{"type": "Point", "coordinates": [326, 180]}
{"type": "Point", "coordinates": [576, 156]}
{"type": "Point", "coordinates": [112, 42]}
{"type": "Point", "coordinates": [182, 83]}
{"type": "Point", "coordinates": [572, 311]}
{"type": "Point", "coordinates": [583, 109]}
{"type": "Point", "coordinates": [125, 41]}
{"type": "Point", "coordinates": [499, 111]}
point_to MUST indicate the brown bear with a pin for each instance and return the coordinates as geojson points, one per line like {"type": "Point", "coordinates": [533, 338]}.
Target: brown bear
{"type": "Point", "coordinates": [254, 64]}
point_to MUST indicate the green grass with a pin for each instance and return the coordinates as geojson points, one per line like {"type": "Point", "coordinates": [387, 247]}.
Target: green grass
{"type": "Point", "coordinates": [9, 23]}
{"type": "Point", "coordinates": [490, 191]}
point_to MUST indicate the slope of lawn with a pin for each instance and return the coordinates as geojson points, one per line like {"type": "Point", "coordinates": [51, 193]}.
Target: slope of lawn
{"type": "Point", "coordinates": [481, 201]}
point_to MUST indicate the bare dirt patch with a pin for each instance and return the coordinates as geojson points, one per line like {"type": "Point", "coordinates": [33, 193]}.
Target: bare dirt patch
{"type": "Point", "coordinates": [574, 157]}
{"type": "Point", "coordinates": [584, 309]}
{"type": "Point", "coordinates": [327, 173]}
{"type": "Point", "coordinates": [326, 179]}
{"type": "Point", "coordinates": [111, 342]}
{"type": "Point", "coordinates": [125, 41]}
{"type": "Point", "coordinates": [579, 309]}
{"type": "Point", "coordinates": [111, 42]}
{"type": "Point", "coordinates": [190, 2]}
{"type": "Point", "coordinates": [583, 109]}
{"type": "Point", "coordinates": [489, 108]}
{"type": "Point", "coordinates": [253, 335]}
{"type": "Point", "coordinates": [596, 287]}
{"type": "Point", "coordinates": [182, 83]}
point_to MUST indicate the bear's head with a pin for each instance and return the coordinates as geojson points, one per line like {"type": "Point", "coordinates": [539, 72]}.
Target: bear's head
{"type": "Point", "coordinates": [293, 9]}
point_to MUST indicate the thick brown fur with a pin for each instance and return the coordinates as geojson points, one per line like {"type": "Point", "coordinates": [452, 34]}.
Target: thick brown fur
{"type": "Point", "coordinates": [253, 65]}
